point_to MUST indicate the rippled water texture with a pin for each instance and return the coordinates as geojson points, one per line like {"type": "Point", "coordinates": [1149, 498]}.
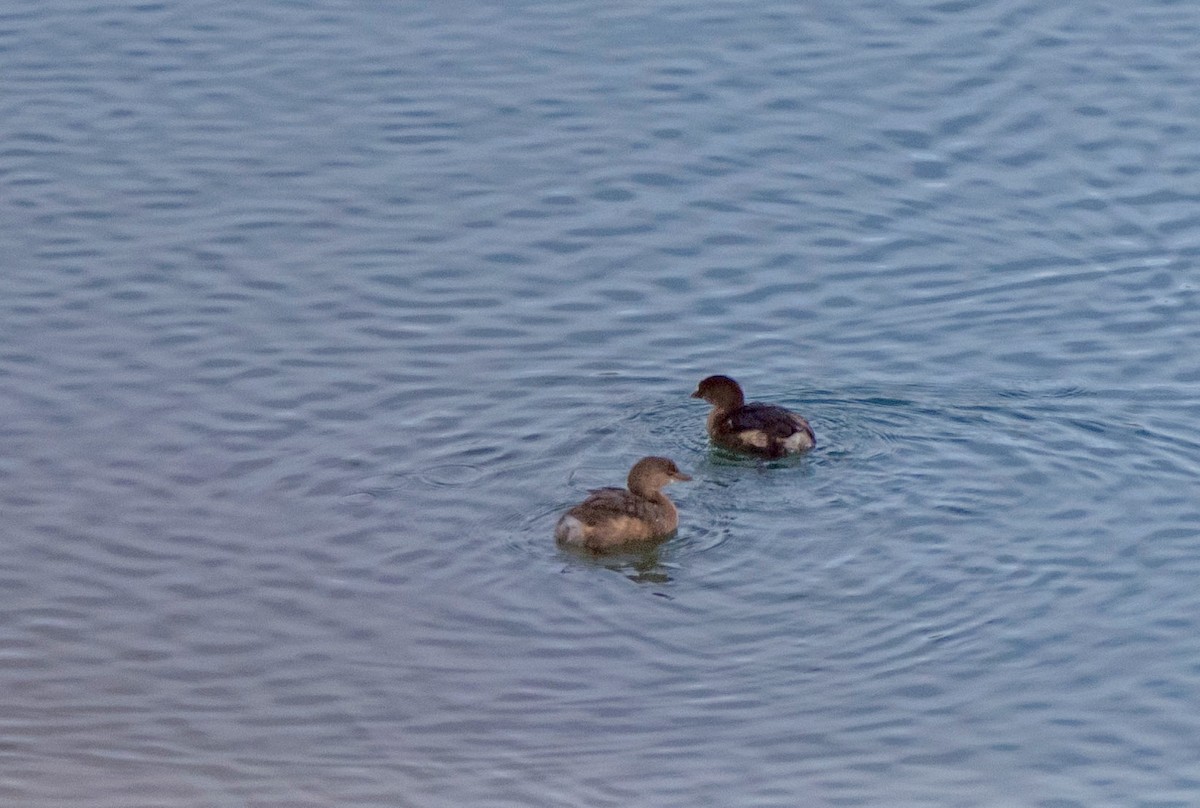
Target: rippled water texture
{"type": "Point", "coordinates": [314, 316]}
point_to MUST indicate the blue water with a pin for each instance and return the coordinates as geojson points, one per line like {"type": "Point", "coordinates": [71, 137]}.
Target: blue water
{"type": "Point", "coordinates": [314, 316]}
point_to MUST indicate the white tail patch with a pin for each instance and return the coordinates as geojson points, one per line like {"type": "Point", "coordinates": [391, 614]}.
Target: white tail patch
{"type": "Point", "coordinates": [569, 530]}
{"type": "Point", "coordinates": [798, 442]}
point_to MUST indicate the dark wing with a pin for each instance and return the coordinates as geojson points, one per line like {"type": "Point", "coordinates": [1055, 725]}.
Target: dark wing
{"type": "Point", "coordinates": [613, 495]}
{"type": "Point", "coordinates": [610, 503]}
{"type": "Point", "coordinates": [769, 419]}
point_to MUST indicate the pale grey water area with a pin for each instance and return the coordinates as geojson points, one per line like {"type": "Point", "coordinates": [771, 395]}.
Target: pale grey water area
{"type": "Point", "coordinates": [314, 315]}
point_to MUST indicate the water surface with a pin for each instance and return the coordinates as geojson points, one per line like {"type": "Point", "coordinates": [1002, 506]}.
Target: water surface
{"type": "Point", "coordinates": [313, 317]}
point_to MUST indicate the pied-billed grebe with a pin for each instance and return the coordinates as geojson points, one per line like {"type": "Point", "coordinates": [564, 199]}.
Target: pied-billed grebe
{"type": "Point", "coordinates": [759, 429]}
{"type": "Point", "coordinates": [610, 517]}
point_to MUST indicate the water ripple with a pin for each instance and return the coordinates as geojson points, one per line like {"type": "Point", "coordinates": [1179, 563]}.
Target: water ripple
{"type": "Point", "coordinates": [314, 318]}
